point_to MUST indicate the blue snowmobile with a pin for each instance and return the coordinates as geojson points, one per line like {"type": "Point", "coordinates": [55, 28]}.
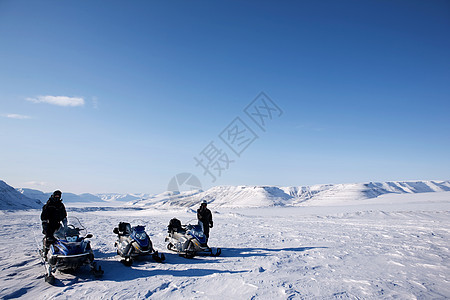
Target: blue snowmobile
{"type": "Point", "coordinates": [134, 242]}
{"type": "Point", "coordinates": [188, 240]}
{"type": "Point", "coordinates": [70, 251]}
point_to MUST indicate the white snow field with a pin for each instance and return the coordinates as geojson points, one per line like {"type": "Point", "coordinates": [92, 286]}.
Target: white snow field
{"type": "Point", "coordinates": [392, 246]}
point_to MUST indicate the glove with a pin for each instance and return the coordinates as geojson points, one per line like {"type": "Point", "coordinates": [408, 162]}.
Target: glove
{"type": "Point", "coordinates": [44, 227]}
{"type": "Point", "coordinates": [64, 221]}
{"type": "Point", "coordinates": [211, 224]}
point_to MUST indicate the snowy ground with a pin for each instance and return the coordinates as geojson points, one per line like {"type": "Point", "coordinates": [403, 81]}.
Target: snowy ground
{"type": "Point", "coordinates": [394, 246]}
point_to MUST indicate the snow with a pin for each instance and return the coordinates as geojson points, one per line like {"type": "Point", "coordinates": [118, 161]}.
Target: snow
{"type": "Point", "coordinates": [83, 198]}
{"type": "Point", "coordinates": [12, 199]}
{"type": "Point", "coordinates": [122, 197]}
{"type": "Point", "coordinates": [67, 197]}
{"type": "Point", "coordinates": [269, 196]}
{"type": "Point", "coordinates": [392, 246]}
{"type": "Point", "coordinates": [252, 196]}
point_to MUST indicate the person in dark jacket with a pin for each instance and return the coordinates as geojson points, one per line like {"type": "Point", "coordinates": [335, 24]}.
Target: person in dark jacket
{"type": "Point", "coordinates": [53, 212]}
{"type": "Point", "coordinates": [204, 217]}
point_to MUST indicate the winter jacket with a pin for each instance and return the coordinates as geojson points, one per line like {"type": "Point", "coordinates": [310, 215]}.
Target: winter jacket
{"type": "Point", "coordinates": [53, 211]}
{"type": "Point", "coordinates": [205, 216]}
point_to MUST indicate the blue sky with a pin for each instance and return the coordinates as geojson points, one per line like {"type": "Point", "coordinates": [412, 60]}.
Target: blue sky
{"type": "Point", "coordinates": [364, 88]}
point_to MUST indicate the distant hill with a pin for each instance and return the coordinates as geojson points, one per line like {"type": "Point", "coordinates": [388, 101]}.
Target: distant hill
{"type": "Point", "coordinates": [266, 196]}
{"type": "Point", "coordinates": [330, 194]}
{"type": "Point", "coordinates": [67, 197]}
{"type": "Point", "coordinates": [10, 198]}
{"type": "Point", "coordinates": [234, 196]}
{"type": "Point", "coordinates": [122, 197]}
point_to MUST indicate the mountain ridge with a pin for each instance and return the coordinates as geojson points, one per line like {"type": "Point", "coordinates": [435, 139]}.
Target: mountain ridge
{"type": "Point", "coordinates": [12, 199]}
{"type": "Point", "coordinates": [233, 196]}
{"type": "Point", "coordinates": [266, 196]}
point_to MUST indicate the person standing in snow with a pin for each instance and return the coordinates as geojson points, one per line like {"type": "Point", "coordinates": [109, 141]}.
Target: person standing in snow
{"type": "Point", "coordinates": [53, 212]}
{"type": "Point", "coordinates": [204, 217]}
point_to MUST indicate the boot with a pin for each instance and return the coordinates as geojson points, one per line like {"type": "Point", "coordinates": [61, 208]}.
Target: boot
{"type": "Point", "coordinates": [46, 252]}
{"type": "Point", "coordinates": [47, 242]}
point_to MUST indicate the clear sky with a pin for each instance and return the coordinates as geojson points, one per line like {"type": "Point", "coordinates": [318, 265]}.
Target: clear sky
{"type": "Point", "coordinates": [120, 96]}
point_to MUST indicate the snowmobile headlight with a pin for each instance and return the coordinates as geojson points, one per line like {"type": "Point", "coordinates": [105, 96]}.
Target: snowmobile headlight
{"type": "Point", "coordinates": [140, 236]}
{"type": "Point", "coordinates": [71, 239]}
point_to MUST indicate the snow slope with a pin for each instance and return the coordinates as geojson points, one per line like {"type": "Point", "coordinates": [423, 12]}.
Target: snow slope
{"type": "Point", "coordinates": [254, 196]}
{"type": "Point", "coordinates": [268, 196]}
{"type": "Point", "coordinates": [394, 246]}
{"type": "Point", "coordinates": [12, 199]}
{"type": "Point", "coordinates": [122, 197]}
{"type": "Point", "coordinates": [348, 193]}
{"type": "Point", "coordinates": [83, 198]}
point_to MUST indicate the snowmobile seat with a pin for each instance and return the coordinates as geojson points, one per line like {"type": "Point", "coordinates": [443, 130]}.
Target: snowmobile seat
{"type": "Point", "coordinates": [175, 226]}
{"type": "Point", "coordinates": [123, 229]}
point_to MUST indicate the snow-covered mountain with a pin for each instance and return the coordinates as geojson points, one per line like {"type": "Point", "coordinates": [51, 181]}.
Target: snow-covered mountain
{"type": "Point", "coordinates": [67, 197]}
{"type": "Point", "coordinates": [34, 194]}
{"type": "Point", "coordinates": [266, 196]}
{"type": "Point", "coordinates": [122, 197]}
{"type": "Point", "coordinates": [256, 196]}
{"type": "Point", "coordinates": [10, 198]}
{"type": "Point", "coordinates": [224, 196]}
{"type": "Point", "coordinates": [345, 193]}
{"type": "Point", "coordinates": [85, 197]}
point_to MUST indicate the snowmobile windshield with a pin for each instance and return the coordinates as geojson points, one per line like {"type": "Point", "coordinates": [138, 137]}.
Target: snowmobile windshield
{"type": "Point", "coordinates": [197, 232]}
{"type": "Point", "coordinates": [72, 231]}
{"type": "Point", "coordinates": [139, 222]}
{"type": "Point", "coordinates": [139, 232]}
{"type": "Point", "coordinates": [195, 227]}
{"type": "Point", "coordinates": [139, 235]}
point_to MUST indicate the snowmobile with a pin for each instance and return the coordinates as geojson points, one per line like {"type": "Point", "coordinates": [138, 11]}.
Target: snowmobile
{"type": "Point", "coordinates": [70, 251]}
{"type": "Point", "coordinates": [133, 242]}
{"type": "Point", "coordinates": [188, 240]}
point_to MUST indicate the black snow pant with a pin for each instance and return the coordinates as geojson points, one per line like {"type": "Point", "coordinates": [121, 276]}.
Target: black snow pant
{"type": "Point", "coordinates": [49, 239]}
{"type": "Point", "coordinates": [205, 228]}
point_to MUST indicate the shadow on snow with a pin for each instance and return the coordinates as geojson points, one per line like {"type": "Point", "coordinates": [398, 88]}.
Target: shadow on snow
{"type": "Point", "coordinates": [115, 271]}
{"type": "Point", "coordinates": [248, 252]}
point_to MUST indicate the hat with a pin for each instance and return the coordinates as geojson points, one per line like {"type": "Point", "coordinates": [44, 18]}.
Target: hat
{"type": "Point", "coordinates": [204, 202]}
{"type": "Point", "coordinates": [57, 192]}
